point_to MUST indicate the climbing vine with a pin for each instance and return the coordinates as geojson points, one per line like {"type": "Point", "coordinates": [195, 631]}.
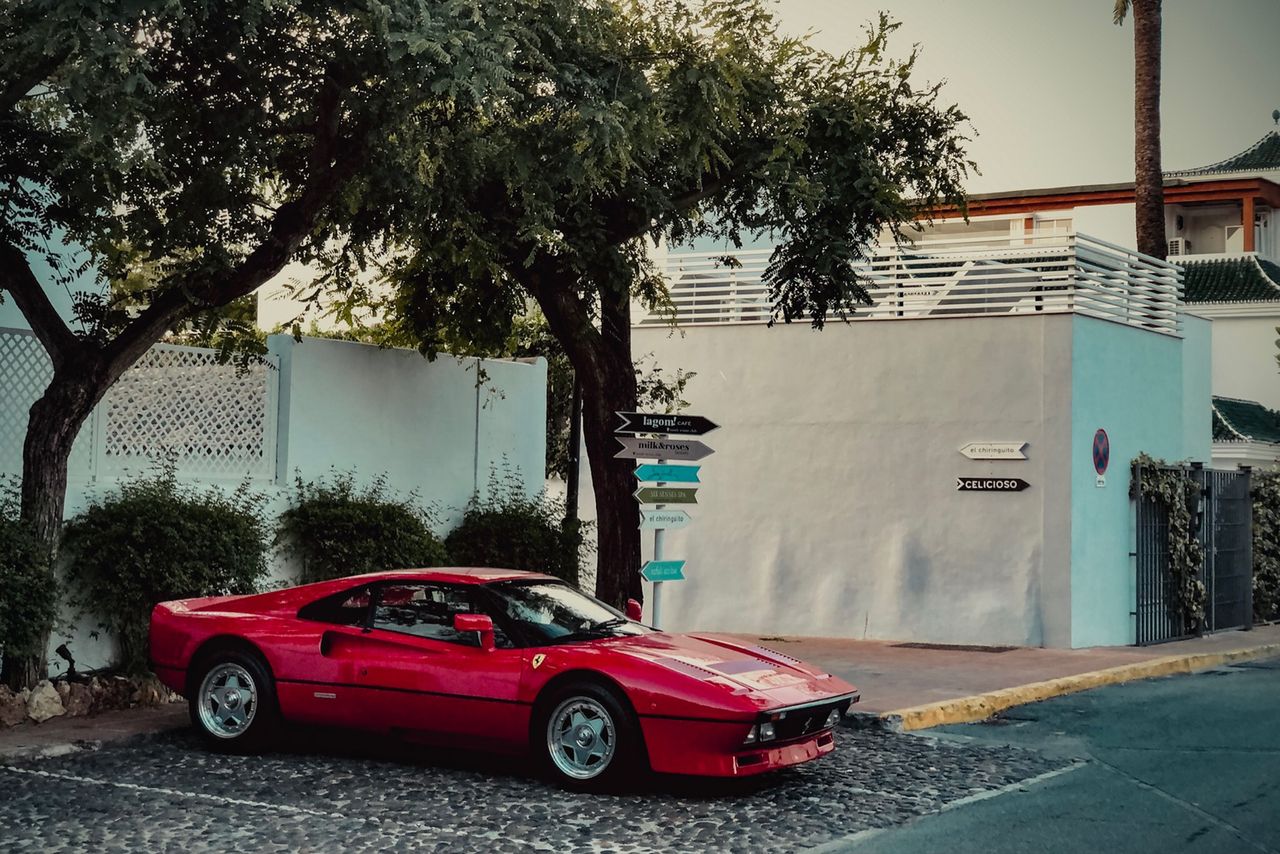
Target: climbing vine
{"type": "Point", "coordinates": [1172, 488]}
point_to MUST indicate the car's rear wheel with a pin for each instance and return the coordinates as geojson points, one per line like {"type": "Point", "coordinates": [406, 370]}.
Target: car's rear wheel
{"type": "Point", "coordinates": [232, 702]}
{"type": "Point", "coordinates": [587, 738]}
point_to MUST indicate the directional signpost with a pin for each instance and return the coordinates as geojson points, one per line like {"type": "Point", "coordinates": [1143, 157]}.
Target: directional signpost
{"type": "Point", "coordinates": [658, 571]}
{"type": "Point", "coordinates": [649, 437]}
{"type": "Point", "coordinates": [990, 484]}
{"type": "Point", "coordinates": [638, 448]}
{"type": "Point", "coordinates": [667, 474]}
{"type": "Point", "coordinates": [656, 422]}
{"type": "Point", "coordinates": [667, 495]}
{"type": "Point", "coordinates": [668, 520]}
{"type": "Point", "coordinates": [994, 450]}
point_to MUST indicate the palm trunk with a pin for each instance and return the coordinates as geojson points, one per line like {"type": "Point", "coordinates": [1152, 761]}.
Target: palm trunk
{"type": "Point", "coordinates": [1148, 188]}
{"type": "Point", "coordinates": [53, 424]}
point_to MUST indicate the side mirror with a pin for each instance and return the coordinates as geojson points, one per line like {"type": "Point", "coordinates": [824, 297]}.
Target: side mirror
{"type": "Point", "coordinates": [635, 611]}
{"type": "Point", "coordinates": [479, 623]}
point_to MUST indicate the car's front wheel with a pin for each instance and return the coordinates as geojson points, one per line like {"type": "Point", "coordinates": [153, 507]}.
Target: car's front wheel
{"type": "Point", "coordinates": [232, 702]}
{"type": "Point", "coordinates": [587, 738]}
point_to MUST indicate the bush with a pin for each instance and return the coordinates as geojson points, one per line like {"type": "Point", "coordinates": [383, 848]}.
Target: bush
{"type": "Point", "coordinates": [507, 529]}
{"type": "Point", "coordinates": [154, 540]}
{"type": "Point", "coordinates": [335, 529]}
{"type": "Point", "coordinates": [28, 592]}
{"type": "Point", "coordinates": [1266, 545]}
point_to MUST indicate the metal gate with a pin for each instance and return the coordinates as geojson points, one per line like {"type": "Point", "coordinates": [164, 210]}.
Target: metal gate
{"type": "Point", "coordinates": [1224, 526]}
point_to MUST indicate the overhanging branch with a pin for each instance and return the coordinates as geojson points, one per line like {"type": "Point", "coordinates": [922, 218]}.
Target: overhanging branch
{"type": "Point", "coordinates": [16, 278]}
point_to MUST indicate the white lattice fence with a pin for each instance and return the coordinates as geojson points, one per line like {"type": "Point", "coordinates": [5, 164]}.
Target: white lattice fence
{"type": "Point", "coordinates": [25, 371]}
{"type": "Point", "coordinates": [216, 421]}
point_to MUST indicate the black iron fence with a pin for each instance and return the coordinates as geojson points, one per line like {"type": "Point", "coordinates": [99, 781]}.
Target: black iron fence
{"type": "Point", "coordinates": [1223, 521]}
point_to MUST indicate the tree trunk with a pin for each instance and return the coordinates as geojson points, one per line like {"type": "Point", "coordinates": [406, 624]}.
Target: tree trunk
{"type": "Point", "coordinates": [52, 426]}
{"type": "Point", "coordinates": [602, 363]}
{"type": "Point", "coordinates": [1148, 188]}
{"type": "Point", "coordinates": [612, 390]}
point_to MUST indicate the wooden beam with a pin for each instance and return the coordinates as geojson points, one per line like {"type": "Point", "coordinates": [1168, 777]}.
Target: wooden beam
{"type": "Point", "coordinates": [1246, 219]}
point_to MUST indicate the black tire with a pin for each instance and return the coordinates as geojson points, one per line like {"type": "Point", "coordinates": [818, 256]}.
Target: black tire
{"type": "Point", "coordinates": [250, 714]}
{"type": "Point", "coordinates": [627, 760]}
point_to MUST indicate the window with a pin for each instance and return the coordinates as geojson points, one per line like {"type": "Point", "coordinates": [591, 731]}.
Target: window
{"type": "Point", "coordinates": [427, 610]}
{"type": "Point", "coordinates": [348, 608]}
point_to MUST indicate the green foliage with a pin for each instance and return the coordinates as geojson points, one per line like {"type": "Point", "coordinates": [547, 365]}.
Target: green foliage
{"type": "Point", "coordinates": [28, 592]}
{"type": "Point", "coordinates": [507, 529]}
{"type": "Point", "coordinates": [336, 529]}
{"type": "Point", "coordinates": [154, 540]}
{"type": "Point", "coordinates": [1266, 545]}
{"type": "Point", "coordinates": [1179, 496]}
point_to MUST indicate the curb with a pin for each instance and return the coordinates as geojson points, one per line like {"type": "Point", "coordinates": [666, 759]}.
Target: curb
{"type": "Point", "coordinates": [963, 710]}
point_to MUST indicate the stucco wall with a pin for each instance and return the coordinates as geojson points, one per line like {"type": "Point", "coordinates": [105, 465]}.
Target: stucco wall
{"type": "Point", "coordinates": [1244, 364]}
{"type": "Point", "coordinates": [830, 506]}
{"type": "Point", "coordinates": [1130, 383]}
{"type": "Point", "coordinates": [1113, 223]}
{"type": "Point", "coordinates": [1197, 388]}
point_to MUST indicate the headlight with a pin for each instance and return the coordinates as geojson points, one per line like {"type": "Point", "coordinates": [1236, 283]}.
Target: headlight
{"type": "Point", "coordinates": [752, 736]}
{"type": "Point", "coordinates": [833, 718]}
{"type": "Point", "coordinates": [766, 732]}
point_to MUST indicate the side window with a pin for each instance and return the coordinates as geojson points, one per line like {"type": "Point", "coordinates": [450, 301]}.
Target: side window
{"type": "Point", "coordinates": [424, 610]}
{"type": "Point", "coordinates": [348, 608]}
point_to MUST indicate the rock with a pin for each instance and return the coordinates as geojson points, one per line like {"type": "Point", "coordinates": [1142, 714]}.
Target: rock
{"type": "Point", "coordinates": [44, 703]}
{"type": "Point", "coordinates": [110, 693]}
{"type": "Point", "coordinates": [13, 709]}
{"type": "Point", "coordinates": [149, 691]}
{"type": "Point", "coordinates": [77, 700]}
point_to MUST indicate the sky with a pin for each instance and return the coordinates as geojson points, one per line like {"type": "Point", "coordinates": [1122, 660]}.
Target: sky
{"type": "Point", "coordinates": [1048, 86]}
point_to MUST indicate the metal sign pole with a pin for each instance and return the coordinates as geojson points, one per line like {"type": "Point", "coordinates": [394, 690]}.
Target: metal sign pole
{"type": "Point", "coordinates": [658, 537]}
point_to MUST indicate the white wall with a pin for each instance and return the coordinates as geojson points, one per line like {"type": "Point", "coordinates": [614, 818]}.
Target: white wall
{"type": "Point", "coordinates": [1113, 223]}
{"type": "Point", "coordinates": [830, 506]}
{"type": "Point", "coordinates": [1244, 364]}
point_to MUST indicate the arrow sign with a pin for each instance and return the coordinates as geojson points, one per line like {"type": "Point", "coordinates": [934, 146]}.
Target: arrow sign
{"type": "Point", "coordinates": [655, 422]}
{"type": "Point", "coordinates": [667, 495]}
{"type": "Point", "coordinates": [667, 519]}
{"type": "Point", "coordinates": [990, 484]}
{"type": "Point", "coordinates": [667, 474]}
{"type": "Point", "coordinates": [663, 570]}
{"type": "Point", "coordinates": [994, 450]}
{"type": "Point", "coordinates": [634, 448]}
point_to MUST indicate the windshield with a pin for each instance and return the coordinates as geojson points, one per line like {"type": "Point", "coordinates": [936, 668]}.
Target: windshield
{"type": "Point", "coordinates": [552, 612]}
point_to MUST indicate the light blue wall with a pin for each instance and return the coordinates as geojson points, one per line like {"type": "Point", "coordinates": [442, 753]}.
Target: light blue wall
{"type": "Point", "coordinates": [426, 425]}
{"type": "Point", "coordinates": [1129, 382]}
{"type": "Point", "coordinates": [1197, 389]}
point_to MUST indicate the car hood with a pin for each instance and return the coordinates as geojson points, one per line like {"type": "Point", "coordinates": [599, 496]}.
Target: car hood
{"type": "Point", "coordinates": [738, 666]}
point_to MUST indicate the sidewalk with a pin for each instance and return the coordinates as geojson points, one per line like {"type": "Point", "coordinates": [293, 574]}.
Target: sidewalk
{"type": "Point", "coordinates": [65, 734]}
{"type": "Point", "coordinates": [908, 687]}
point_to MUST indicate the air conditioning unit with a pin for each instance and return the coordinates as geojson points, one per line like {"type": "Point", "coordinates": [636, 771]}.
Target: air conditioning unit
{"type": "Point", "coordinates": [1179, 246]}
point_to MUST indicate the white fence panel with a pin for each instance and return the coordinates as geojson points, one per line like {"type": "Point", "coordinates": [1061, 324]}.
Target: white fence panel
{"type": "Point", "coordinates": [961, 277]}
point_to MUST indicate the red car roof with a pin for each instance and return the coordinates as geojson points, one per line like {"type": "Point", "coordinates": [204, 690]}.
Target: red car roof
{"type": "Point", "coordinates": [451, 574]}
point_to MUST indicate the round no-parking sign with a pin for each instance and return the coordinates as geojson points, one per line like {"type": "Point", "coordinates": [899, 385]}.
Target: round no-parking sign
{"type": "Point", "coordinates": [1101, 451]}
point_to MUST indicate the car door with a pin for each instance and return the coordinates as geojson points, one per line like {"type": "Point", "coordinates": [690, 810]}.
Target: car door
{"type": "Point", "coordinates": [421, 676]}
{"type": "Point", "coordinates": [317, 666]}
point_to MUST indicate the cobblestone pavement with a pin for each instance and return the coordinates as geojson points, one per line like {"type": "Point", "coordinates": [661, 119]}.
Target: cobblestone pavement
{"type": "Point", "coordinates": [334, 791]}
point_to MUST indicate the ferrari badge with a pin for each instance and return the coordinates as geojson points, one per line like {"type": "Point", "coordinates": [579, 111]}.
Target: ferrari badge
{"type": "Point", "coordinates": [537, 660]}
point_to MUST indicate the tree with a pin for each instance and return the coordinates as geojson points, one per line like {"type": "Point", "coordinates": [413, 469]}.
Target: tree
{"type": "Point", "coordinates": [1148, 184]}
{"type": "Point", "coordinates": [212, 143]}
{"type": "Point", "coordinates": [667, 120]}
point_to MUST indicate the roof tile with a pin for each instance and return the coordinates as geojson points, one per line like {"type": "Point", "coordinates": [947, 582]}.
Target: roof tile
{"type": "Point", "coordinates": [1244, 279]}
{"type": "Point", "coordinates": [1244, 420]}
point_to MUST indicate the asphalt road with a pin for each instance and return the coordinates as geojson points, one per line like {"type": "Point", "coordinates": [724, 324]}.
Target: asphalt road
{"type": "Point", "coordinates": [1181, 764]}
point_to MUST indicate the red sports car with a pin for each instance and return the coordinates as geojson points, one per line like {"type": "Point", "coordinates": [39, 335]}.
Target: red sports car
{"type": "Point", "coordinates": [505, 660]}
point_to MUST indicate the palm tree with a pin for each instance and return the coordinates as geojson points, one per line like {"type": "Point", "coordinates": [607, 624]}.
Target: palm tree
{"type": "Point", "coordinates": [1148, 185]}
